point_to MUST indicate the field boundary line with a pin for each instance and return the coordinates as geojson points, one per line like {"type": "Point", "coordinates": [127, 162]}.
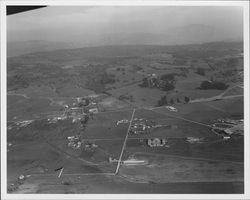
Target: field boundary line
{"type": "Point", "coordinates": [76, 174]}
{"type": "Point", "coordinates": [191, 121]}
{"type": "Point", "coordinates": [124, 143]}
{"type": "Point", "coordinates": [214, 107]}
{"type": "Point", "coordinates": [90, 174]}
{"type": "Point", "coordinates": [189, 158]}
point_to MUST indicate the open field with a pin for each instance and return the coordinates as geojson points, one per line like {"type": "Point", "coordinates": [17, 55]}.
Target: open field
{"type": "Point", "coordinates": [21, 108]}
{"type": "Point", "coordinates": [104, 125]}
{"type": "Point", "coordinates": [194, 160]}
{"type": "Point", "coordinates": [177, 169]}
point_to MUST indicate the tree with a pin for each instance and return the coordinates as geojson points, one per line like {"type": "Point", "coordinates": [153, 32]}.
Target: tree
{"type": "Point", "coordinates": [200, 71]}
{"type": "Point", "coordinates": [171, 101]}
{"type": "Point", "coordinates": [167, 86]}
{"type": "Point", "coordinates": [85, 119]}
{"type": "Point", "coordinates": [144, 82]}
{"type": "Point", "coordinates": [205, 85]}
{"type": "Point", "coordinates": [187, 99]}
{"type": "Point", "coordinates": [164, 100]}
{"type": "Point", "coordinates": [160, 103]}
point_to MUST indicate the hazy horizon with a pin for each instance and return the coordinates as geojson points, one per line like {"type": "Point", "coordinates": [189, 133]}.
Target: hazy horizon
{"type": "Point", "coordinates": [58, 27]}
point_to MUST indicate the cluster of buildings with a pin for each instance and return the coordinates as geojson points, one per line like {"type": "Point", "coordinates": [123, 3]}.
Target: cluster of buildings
{"type": "Point", "coordinates": [88, 103]}
{"type": "Point", "coordinates": [89, 146]}
{"type": "Point", "coordinates": [20, 180]}
{"type": "Point", "coordinates": [143, 126]}
{"type": "Point", "coordinates": [157, 142]}
{"type": "Point", "coordinates": [56, 119]}
{"type": "Point", "coordinates": [74, 142]}
{"type": "Point", "coordinates": [19, 124]}
{"type": "Point", "coordinates": [154, 81]}
{"type": "Point", "coordinates": [81, 109]}
{"type": "Point", "coordinates": [228, 127]}
{"type": "Point", "coordinates": [82, 106]}
{"type": "Point", "coordinates": [140, 126]}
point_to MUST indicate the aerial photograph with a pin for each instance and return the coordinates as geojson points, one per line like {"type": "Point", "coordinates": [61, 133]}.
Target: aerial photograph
{"type": "Point", "coordinates": [125, 100]}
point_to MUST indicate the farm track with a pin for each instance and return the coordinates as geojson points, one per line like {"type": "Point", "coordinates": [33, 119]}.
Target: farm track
{"type": "Point", "coordinates": [124, 144]}
{"type": "Point", "coordinates": [185, 119]}
{"type": "Point", "coordinates": [188, 158]}
{"type": "Point", "coordinates": [218, 97]}
{"type": "Point", "coordinates": [215, 108]}
{"type": "Point", "coordinates": [143, 180]}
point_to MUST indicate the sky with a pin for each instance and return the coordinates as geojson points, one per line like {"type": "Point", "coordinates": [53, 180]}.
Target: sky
{"type": "Point", "coordinates": [106, 25]}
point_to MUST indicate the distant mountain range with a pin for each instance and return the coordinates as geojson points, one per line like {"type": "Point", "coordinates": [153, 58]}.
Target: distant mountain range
{"type": "Point", "coordinates": [191, 34]}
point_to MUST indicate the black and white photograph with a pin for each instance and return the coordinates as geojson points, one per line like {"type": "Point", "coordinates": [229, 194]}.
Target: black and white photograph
{"type": "Point", "coordinates": [125, 98]}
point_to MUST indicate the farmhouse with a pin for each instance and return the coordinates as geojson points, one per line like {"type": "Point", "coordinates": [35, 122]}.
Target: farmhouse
{"type": "Point", "coordinates": [171, 108]}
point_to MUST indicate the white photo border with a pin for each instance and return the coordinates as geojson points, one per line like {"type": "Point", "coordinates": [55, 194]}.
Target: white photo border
{"type": "Point", "coordinates": [5, 3]}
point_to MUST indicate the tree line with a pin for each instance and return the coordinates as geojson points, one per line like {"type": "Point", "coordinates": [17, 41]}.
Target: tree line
{"type": "Point", "coordinates": [163, 101]}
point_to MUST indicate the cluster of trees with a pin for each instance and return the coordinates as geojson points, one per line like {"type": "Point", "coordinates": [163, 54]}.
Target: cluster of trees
{"type": "Point", "coordinates": [96, 81]}
{"type": "Point", "coordinates": [169, 77]}
{"type": "Point", "coordinates": [126, 97]}
{"type": "Point", "coordinates": [20, 81]}
{"type": "Point", "coordinates": [83, 102]}
{"type": "Point", "coordinates": [206, 85]}
{"type": "Point", "coordinates": [232, 62]}
{"type": "Point", "coordinates": [84, 121]}
{"type": "Point", "coordinates": [144, 83]}
{"type": "Point", "coordinates": [168, 86]}
{"type": "Point", "coordinates": [120, 69]}
{"type": "Point", "coordinates": [200, 71]}
{"type": "Point", "coordinates": [164, 102]}
{"type": "Point", "coordinates": [166, 82]}
{"type": "Point", "coordinates": [106, 78]}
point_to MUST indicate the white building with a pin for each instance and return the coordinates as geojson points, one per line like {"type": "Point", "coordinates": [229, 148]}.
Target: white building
{"type": "Point", "coordinates": [93, 110]}
{"type": "Point", "coordinates": [171, 108]}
